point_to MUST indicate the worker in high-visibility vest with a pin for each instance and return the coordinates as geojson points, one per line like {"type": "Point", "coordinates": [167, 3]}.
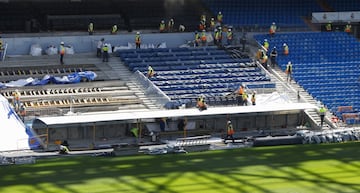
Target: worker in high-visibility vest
{"type": "Point", "coordinates": [239, 97]}
{"type": "Point", "coordinates": [289, 70]}
{"type": "Point", "coordinates": [151, 72]}
{"type": "Point", "coordinates": [16, 99]}
{"type": "Point", "coordinates": [348, 27]}
{"type": "Point", "coordinates": [219, 17]}
{"type": "Point", "coordinates": [253, 98]}
{"type": "Point", "coordinates": [285, 49]}
{"type": "Point", "coordinates": [105, 50]}
{"type": "Point", "coordinates": [22, 112]}
{"type": "Point", "coordinates": [212, 24]}
{"type": "Point", "coordinates": [62, 52]}
{"type": "Point", "coordinates": [203, 38]}
{"type": "Point", "coordinates": [322, 112]}
{"type": "Point", "coordinates": [229, 132]}
{"type": "Point", "coordinates": [229, 36]}
{"type": "Point", "coordinates": [171, 25]}
{"type": "Point", "coordinates": [201, 104]}
{"type": "Point", "coordinates": [162, 26]}
{"type": "Point", "coordinates": [272, 29]}
{"type": "Point", "coordinates": [91, 28]}
{"type": "Point", "coordinates": [197, 39]}
{"type": "Point", "coordinates": [328, 26]}
{"type": "Point", "coordinates": [114, 29]}
{"type": "Point", "coordinates": [137, 40]}
{"type": "Point", "coordinates": [266, 44]}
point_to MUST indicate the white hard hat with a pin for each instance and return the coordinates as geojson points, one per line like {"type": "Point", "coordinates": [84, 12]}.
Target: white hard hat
{"type": "Point", "coordinates": [229, 122]}
{"type": "Point", "coordinates": [137, 32]}
{"type": "Point", "coordinates": [284, 44]}
{"type": "Point", "coordinates": [229, 29]}
{"type": "Point", "coordinates": [219, 12]}
{"type": "Point", "coordinates": [289, 62]}
{"type": "Point", "coordinates": [61, 43]}
{"type": "Point", "coordinates": [265, 40]}
{"type": "Point", "coordinates": [273, 23]}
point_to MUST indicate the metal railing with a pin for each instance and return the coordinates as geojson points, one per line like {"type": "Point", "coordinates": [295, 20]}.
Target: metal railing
{"type": "Point", "coordinates": [150, 89]}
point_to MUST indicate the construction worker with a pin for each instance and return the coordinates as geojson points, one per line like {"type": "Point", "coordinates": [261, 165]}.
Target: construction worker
{"type": "Point", "coordinates": [218, 36]}
{"type": "Point", "coordinates": [239, 97]}
{"type": "Point", "coordinates": [245, 97]}
{"type": "Point", "coordinates": [219, 17]}
{"type": "Point", "coordinates": [272, 29]}
{"type": "Point", "coordinates": [201, 104]}
{"type": "Point", "coordinates": [263, 58]}
{"type": "Point", "coordinates": [197, 39]}
{"type": "Point", "coordinates": [135, 132]}
{"type": "Point", "coordinates": [91, 28]}
{"type": "Point", "coordinates": [64, 147]}
{"type": "Point", "coordinates": [285, 49]}
{"type": "Point", "coordinates": [253, 98]}
{"type": "Point", "coordinates": [162, 26]}
{"type": "Point", "coordinates": [62, 52]}
{"type": "Point", "coordinates": [171, 25]}
{"type": "Point", "coordinates": [288, 71]}
{"type": "Point", "coordinates": [203, 17]}
{"type": "Point", "coordinates": [16, 99]}
{"type": "Point", "coordinates": [22, 111]}
{"type": "Point", "coordinates": [105, 50]}
{"type": "Point", "coordinates": [99, 47]}
{"type": "Point", "coordinates": [348, 27]}
{"type": "Point", "coordinates": [229, 36]}
{"type": "Point", "coordinates": [137, 40]}
{"type": "Point", "coordinates": [266, 44]}
{"type": "Point", "coordinates": [151, 72]}
{"type": "Point", "coordinates": [203, 38]}
{"type": "Point", "coordinates": [322, 112]}
{"type": "Point", "coordinates": [273, 55]}
{"type": "Point", "coordinates": [114, 29]}
{"type": "Point", "coordinates": [328, 26]}
{"type": "Point", "coordinates": [181, 28]}
{"type": "Point", "coordinates": [202, 25]}
{"type": "Point", "coordinates": [212, 24]}
{"type": "Point", "coordinates": [229, 132]}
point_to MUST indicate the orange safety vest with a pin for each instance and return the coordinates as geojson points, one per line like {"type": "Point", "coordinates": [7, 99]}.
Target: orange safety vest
{"type": "Point", "coordinates": [241, 90]}
{"type": "Point", "coordinates": [62, 50]}
{"type": "Point", "coordinates": [203, 36]}
{"type": "Point", "coordinates": [348, 28]}
{"type": "Point", "coordinates": [201, 102]}
{"type": "Point", "coordinates": [230, 129]}
{"type": "Point", "coordinates": [286, 50]}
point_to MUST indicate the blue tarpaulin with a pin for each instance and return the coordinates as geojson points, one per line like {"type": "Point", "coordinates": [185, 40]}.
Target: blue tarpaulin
{"type": "Point", "coordinates": [69, 79]}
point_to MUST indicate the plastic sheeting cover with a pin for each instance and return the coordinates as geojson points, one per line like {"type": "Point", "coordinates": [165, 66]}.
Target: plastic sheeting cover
{"type": "Point", "coordinates": [69, 79]}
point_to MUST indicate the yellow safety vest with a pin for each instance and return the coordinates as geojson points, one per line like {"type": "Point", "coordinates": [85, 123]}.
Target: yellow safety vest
{"type": "Point", "coordinates": [91, 27]}
{"type": "Point", "coordinates": [137, 39]}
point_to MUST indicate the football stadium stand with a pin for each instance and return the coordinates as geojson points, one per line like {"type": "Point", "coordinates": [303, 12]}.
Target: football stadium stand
{"type": "Point", "coordinates": [103, 111]}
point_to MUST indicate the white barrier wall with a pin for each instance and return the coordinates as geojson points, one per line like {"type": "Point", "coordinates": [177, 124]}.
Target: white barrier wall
{"type": "Point", "coordinates": [86, 43]}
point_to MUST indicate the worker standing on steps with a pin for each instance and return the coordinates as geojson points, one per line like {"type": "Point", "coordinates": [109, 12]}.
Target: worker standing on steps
{"type": "Point", "coordinates": [322, 112]}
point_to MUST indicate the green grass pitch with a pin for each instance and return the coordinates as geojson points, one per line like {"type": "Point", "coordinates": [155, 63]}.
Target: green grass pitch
{"type": "Point", "coordinates": [325, 168]}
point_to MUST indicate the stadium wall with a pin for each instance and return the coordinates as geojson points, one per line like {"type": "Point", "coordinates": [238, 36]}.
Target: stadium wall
{"type": "Point", "coordinates": [86, 43]}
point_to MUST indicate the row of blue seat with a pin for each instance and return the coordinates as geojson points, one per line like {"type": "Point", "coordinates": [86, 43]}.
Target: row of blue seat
{"type": "Point", "coordinates": [324, 66]}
